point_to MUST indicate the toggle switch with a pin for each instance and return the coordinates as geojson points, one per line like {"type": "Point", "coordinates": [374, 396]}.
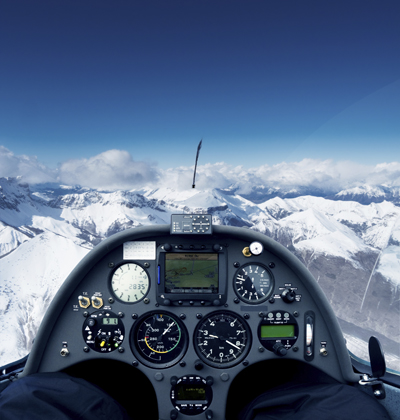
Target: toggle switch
{"type": "Point", "coordinates": [97, 302]}
{"type": "Point", "coordinates": [84, 301]}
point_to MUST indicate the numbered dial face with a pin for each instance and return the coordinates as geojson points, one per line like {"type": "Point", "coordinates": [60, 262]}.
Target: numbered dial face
{"type": "Point", "coordinates": [159, 340]}
{"type": "Point", "coordinates": [130, 283]}
{"type": "Point", "coordinates": [253, 283]}
{"type": "Point", "coordinates": [222, 339]}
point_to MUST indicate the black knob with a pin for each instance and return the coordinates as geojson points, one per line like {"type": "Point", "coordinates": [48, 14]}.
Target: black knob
{"type": "Point", "coordinates": [173, 415]}
{"type": "Point", "coordinates": [174, 380]}
{"type": "Point", "coordinates": [198, 364]}
{"type": "Point", "coordinates": [288, 295]}
{"type": "Point", "coordinates": [279, 349]}
{"type": "Point", "coordinates": [209, 380]}
{"type": "Point", "coordinates": [216, 247]}
{"type": "Point", "coordinates": [167, 247]}
{"type": "Point", "coordinates": [209, 414]}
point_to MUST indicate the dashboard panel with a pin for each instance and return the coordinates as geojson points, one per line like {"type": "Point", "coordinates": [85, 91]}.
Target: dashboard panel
{"type": "Point", "coordinates": [191, 307]}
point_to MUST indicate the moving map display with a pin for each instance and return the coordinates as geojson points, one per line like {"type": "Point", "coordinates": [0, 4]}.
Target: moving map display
{"type": "Point", "coordinates": [191, 272]}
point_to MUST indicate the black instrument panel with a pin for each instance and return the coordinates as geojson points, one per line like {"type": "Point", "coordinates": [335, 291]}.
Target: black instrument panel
{"type": "Point", "coordinates": [190, 312]}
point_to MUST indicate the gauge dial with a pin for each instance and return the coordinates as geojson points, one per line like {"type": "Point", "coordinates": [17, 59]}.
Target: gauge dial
{"type": "Point", "coordinates": [159, 340]}
{"type": "Point", "coordinates": [222, 339]}
{"type": "Point", "coordinates": [130, 283]}
{"type": "Point", "coordinates": [253, 283]}
{"type": "Point", "coordinates": [256, 248]}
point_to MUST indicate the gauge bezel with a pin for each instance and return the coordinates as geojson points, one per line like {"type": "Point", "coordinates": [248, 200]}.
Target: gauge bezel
{"type": "Point", "coordinates": [110, 283]}
{"type": "Point", "coordinates": [229, 363]}
{"type": "Point", "coordinates": [261, 299]}
{"type": "Point", "coordinates": [165, 358]}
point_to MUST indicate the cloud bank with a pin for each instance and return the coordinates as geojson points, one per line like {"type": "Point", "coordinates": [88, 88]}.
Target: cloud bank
{"type": "Point", "coordinates": [27, 167]}
{"type": "Point", "coordinates": [116, 169]}
{"type": "Point", "coordinates": [110, 170]}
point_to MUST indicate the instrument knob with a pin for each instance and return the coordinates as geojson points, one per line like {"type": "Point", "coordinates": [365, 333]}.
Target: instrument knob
{"type": "Point", "coordinates": [279, 349]}
{"type": "Point", "coordinates": [288, 295]}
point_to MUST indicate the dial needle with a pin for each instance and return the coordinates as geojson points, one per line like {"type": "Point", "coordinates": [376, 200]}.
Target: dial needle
{"type": "Point", "coordinates": [169, 326]}
{"type": "Point", "coordinates": [234, 345]}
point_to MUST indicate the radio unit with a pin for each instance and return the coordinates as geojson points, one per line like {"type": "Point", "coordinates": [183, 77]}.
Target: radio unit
{"type": "Point", "coordinates": [191, 275]}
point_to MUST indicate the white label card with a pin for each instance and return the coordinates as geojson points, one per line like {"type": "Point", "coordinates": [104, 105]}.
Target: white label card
{"type": "Point", "coordinates": [139, 250]}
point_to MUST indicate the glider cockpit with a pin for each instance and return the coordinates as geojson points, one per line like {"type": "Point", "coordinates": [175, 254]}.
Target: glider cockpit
{"type": "Point", "coordinates": [191, 321]}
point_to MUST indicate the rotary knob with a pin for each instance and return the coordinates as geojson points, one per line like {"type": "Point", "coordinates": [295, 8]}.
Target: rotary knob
{"type": "Point", "coordinates": [288, 296]}
{"type": "Point", "coordinates": [279, 349]}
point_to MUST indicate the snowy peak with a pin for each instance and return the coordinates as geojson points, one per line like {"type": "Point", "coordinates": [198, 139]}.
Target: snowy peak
{"type": "Point", "coordinates": [13, 192]}
{"type": "Point", "coordinates": [367, 194]}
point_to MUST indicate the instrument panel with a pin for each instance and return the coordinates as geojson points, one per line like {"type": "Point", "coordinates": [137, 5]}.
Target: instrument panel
{"type": "Point", "coordinates": [191, 309]}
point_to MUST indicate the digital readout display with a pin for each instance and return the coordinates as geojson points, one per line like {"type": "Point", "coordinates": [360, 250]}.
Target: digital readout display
{"type": "Point", "coordinates": [110, 321]}
{"type": "Point", "coordinates": [187, 393]}
{"type": "Point", "coordinates": [277, 331]}
{"type": "Point", "coordinates": [196, 271]}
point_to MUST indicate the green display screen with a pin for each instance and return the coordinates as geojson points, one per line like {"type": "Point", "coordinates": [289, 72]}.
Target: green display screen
{"type": "Point", "coordinates": [185, 271]}
{"type": "Point", "coordinates": [110, 321]}
{"type": "Point", "coordinates": [277, 331]}
{"type": "Point", "coordinates": [191, 393]}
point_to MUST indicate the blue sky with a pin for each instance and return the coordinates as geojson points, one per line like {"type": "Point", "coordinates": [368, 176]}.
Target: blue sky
{"type": "Point", "coordinates": [260, 81]}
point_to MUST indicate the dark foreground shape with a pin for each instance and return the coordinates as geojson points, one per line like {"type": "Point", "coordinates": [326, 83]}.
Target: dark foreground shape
{"type": "Point", "coordinates": [328, 402]}
{"type": "Point", "coordinates": [56, 395]}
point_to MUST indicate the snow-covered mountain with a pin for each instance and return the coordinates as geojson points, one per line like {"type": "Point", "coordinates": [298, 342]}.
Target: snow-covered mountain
{"type": "Point", "coordinates": [349, 240]}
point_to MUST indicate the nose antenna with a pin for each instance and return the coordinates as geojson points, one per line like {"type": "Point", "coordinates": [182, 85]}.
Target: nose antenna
{"type": "Point", "coordinates": [195, 164]}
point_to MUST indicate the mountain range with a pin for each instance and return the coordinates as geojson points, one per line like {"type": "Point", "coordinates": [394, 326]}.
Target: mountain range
{"type": "Point", "coordinates": [349, 240]}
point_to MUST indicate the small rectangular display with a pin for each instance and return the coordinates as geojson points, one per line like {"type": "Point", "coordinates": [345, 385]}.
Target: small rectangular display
{"type": "Point", "coordinates": [191, 393]}
{"type": "Point", "coordinates": [191, 272]}
{"type": "Point", "coordinates": [277, 331]}
{"type": "Point", "coordinates": [110, 321]}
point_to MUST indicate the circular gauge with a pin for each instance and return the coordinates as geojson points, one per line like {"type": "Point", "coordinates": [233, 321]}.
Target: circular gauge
{"type": "Point", "coordinates": [256, 248]}
{"type": "Point", "coordinates": [130, 283]}
{"type": "Point", "coordinates": [253, 283]}
{"type": "Point", "coordinates": [159, 339]}
{"type": "Point", "coordinates": [222, 339]}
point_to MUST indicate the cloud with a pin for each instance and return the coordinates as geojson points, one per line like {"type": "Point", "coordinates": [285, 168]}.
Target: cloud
{"type": "Point", "coordinates": [110, 170]}
{"type": "Point", "coordinates": [327, 175]}
{"type": "Point", "coordinates": [24, 166]}
{"type": "Point", "coordinates": [116, 169]}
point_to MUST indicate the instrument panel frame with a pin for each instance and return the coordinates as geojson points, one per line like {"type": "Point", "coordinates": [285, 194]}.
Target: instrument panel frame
{"type": "Point", "coordinates": [64, 317]}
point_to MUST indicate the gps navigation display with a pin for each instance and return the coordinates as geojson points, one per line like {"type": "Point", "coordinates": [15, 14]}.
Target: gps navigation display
{"type": "Point", "coordinates": [191, 272]}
